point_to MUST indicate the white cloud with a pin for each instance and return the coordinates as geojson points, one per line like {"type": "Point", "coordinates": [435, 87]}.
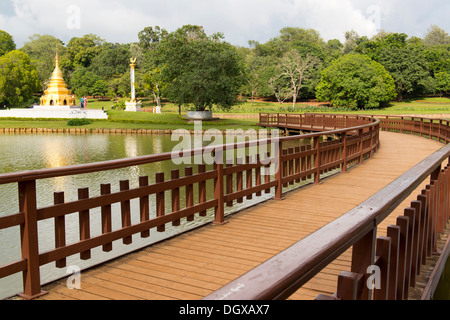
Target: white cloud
{"type": "Point", "coordinates": [239, 20]}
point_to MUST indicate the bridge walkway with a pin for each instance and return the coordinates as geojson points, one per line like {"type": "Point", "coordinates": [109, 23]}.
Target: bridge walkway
{"type": "Point", "coordinates": [195, 264]}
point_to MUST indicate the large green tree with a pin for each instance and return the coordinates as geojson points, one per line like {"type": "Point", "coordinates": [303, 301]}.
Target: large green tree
{"type": "Point", "coordinates": [42, 50]}
{"type": "Point", "coordinates": [356, 81]}
{"type": "Point", "coordinates": [201, 70]}
{"type": "Point", "coordinates": [18, 78]}
{"type": "Point", "coordinates": [6, 43]}
{"type": "Point", "coordinates": [404, 60]}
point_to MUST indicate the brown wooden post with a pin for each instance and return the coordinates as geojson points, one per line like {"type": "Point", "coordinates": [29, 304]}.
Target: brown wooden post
{"type": "Point", "coordinates": [297, 163]}
{"type": "Point", "coordinates": [317, 160]}
{"type": "Point", "coordinates": [348, 286]}
{"type": "Point", "coordinates": [144, 206]}
{"type": "Point", "coordinates": [126, 211]}
{"type": "Point", "coordinates": [105, 189]}
{"type": "Point", "coordinates": [60, 229]}
{"type": "Point", "coordinates": [84, 222]}
{"type": "Point", "coordinates": [393, 232]}
{"type": "Point", "coordinates": [383, 253]}
{"type": "Point", "coordinates": [29, 238]}
{"type": "Point", "coordinates": [160, 202]}
{"type": "Point", "coordinates": [344, 152]}
{"type": "Point", "coordinates": [258, 175]}
{"type": "Point", "coordinates": [229, 184]}
{"type": "Point", "coordinates": [403, 223]}
{"type": "Point", "coordinates": [239, 180]}
{"type": "Point", "coordinates": [189, 193]}
{"type": "Point", "coordinates": [361, 146]}
{"type": "Point", "coordinates": [363, 256]}
{"type": "Point", "coordinates": [279, 173]}
{"type": "Point", "coordinates": [219, 193]}
{"type": "Point", "coordinates": [425, 220]}
{"type": "Point", "coordinates": [202, 189]}
{"type": "Point", "coordinates": [175, 175]}
{"type": "Point", "coordinates": [418, 231]}
{"type": "Point", "coordinates": [409, 280]}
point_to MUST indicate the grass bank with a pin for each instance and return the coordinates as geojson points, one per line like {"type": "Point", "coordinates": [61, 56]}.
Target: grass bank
{"type": "Point", "coordinates": [231, 119]}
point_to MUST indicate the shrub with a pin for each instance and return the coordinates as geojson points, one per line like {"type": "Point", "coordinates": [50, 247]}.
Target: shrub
{"type": "Point", "coordinates": [78, 122]}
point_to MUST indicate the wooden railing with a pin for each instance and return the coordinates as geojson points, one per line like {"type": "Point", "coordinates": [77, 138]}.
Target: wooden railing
{"type": "Point", "coordinates": [398, 257]}
{"type": "Point", "coordinates": [293, 160]}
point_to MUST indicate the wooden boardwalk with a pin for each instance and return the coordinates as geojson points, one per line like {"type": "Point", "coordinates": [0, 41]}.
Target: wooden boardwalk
{"type": "Point", "coordinates": [193, 265]}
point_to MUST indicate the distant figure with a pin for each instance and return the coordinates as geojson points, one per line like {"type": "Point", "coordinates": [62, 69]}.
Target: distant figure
{"type": "Point", "coordinates": [82, 103]}
{"type": "Point", "coordinates": [85, 101]}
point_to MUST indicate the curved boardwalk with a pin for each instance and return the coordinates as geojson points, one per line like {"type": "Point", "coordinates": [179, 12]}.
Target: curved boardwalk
{"type": "Point", "coordinates": [193, 265]}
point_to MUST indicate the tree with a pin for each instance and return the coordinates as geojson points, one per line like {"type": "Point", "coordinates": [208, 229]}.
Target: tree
{"type": "Point", "coordinates": [42, 50]}
{"type": "Point", "coordinates": [153, 83]}
{"type": "Point", "coordinates": [81, 51]}
{"type": "Point", "coordinates": [6, 43]}
{"type": "Point", "coordinates": [436, 36]}
{"type": "Point", "coordinates": [404, 60]}
{"type": "Point", "coordinates": [297, 70]}
{"type": "Point", "coordinates": [356, 81]}
{"type": "Point", "coordinates": [201, 70]}
{"type": "Point", "coordinates": [443, 82]}
{"type": "Point", "coordinates": [18, 78]}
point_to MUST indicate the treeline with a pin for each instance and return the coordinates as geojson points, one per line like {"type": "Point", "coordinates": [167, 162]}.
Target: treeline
{"type": "Point", "coordinates": [189, 67]}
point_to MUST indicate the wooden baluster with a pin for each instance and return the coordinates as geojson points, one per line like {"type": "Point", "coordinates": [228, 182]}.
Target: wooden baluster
{"type": "Point", "coordinates": [249, 176]}
{"type": "Point", "coordinates": [423, 199]}
{"type": "Point", "coordinates": [417, 206]}
{"type": "Point", "coordinates": [239, 180]}
{"type": "Point", "coordinates": [348, 286]}
{"type": "Point", "coordinates": [175, 175]}
{"type": "Point", "coordinates": [126, 211]}
{"type": "Point", "coordinates": [229, 183]}
{"type": "Point", "coordinates": [291, 165]}
{"type": "Point", "coordinates": [383, 253]}
{"type": "Point", "coordinates": [219, 194]}
{"type": "Point", "coordinates": [363, 256]}
{"type": "Point", "coordinates": [285, 168]}
{"type": "Point", "coordinates": [60, 229]}
{"type": "Point", "coordinates": [189, 193]}
{"type": "Point", "coordinates": [317, 163]}
{"type": "Point", "coordinates": [105, 189]}
{"type": "Point", "coordinates": [394, 232]}
{"type": "Point", "coordinates": [267, 177]}
{"type": "Point", "coordinates": [144, 205]}
{"type": "Point", "coordinates": [202, 189]}
{"type": "Point", "coordinates": [29, 240]}
{"type": "Point", "coordinates": [297, 163]}
{"type": "Point", "coordinates": [403, 223]}
{"type": "Point", "coordinates": [279, 173]}
{"type": "Point", "coordinates": [258, 174]}
{"type": "Point", "coordinates": [160, 202]}
{"type": "Point", "coordinates": [84, 222]}
{"type": "Point", "coordinates": [410, 213]}
{"type": "Point", "coordinates": [303, 162]}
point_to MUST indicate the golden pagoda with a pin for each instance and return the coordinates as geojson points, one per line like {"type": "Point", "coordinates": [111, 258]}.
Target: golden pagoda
{"type": "Point", "coordinates": [57, 93]}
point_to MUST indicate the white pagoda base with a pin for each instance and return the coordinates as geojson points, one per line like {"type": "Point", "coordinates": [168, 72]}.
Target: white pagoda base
{"type": "Point", "coordinates": [133, 106]}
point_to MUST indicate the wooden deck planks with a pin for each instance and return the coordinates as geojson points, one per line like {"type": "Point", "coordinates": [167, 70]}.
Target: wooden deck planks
{"type": "Point", "coordinates": [195, 264]}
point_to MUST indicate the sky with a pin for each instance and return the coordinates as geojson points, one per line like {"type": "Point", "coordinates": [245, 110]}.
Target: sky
{"type": "Point", "coordinates": [239, 20]}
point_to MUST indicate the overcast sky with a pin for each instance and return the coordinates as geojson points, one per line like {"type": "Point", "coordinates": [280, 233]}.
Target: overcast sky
{"type": "Point", "coordinates": [239, 20]}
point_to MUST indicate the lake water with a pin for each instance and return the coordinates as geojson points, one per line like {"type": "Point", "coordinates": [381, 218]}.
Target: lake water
{"type": "Point", "coordinates": [20, 152]}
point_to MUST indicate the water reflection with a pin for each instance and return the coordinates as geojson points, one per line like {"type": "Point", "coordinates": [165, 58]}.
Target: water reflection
{"type": "Point", "coordinates": [21, 152]}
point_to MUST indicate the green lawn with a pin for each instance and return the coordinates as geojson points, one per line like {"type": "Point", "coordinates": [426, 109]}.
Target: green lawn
{"type": "Point", "coordinates": [171, 120]}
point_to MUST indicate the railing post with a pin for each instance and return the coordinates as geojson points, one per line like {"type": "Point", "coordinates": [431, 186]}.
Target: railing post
{"type": "Point", "coordinates": [279, 173]}
{"type": "Point", "coordinates": [344, 152]}
{"type": "Point", "coordinates": [363, 256]}
{"type": "Point", "coordinates": [219, 190]}
{"type": "Point", "coordinates": [361, 146]}
{"type": "Point", "coordinates": [317, 160]}
{"type": "Point", "coordinates": [29, 238]}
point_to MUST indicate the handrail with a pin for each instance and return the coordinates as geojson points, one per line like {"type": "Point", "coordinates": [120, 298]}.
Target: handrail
{"type": "Point", "coordinates": [412, 239]}
{"type": "Point", "coordinates": [352, 145]}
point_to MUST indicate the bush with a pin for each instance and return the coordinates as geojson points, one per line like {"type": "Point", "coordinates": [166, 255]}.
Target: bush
{"type": "Point", "coordinates": [355, 81]}
{"type": "Point", "coordinates": [78, 122]}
